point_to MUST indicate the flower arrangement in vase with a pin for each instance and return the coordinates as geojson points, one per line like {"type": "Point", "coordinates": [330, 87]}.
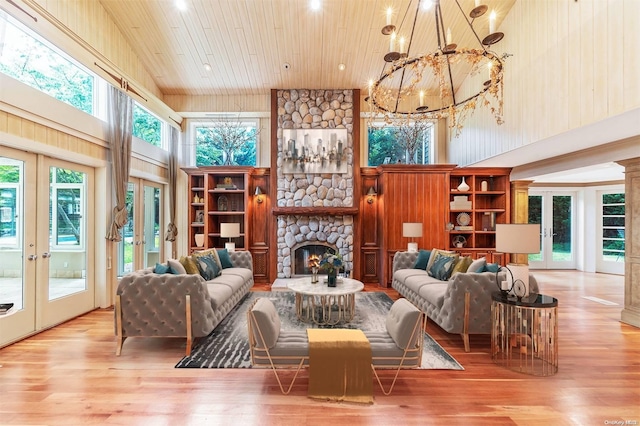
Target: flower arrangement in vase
{"type": "Point", "coordinates": [331, 262]}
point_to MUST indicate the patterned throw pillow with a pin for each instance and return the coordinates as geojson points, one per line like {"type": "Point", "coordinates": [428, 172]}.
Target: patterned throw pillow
{"type": "Point", "coordinates": [208, 267]}
{"type": "Point", "coordinates": [213, 252]}
{"type": "Point", "coordinates": [435, 252]}
{"type": "Point", "coordinates": [442, 267]}
{"type": "Point", "coordinates": [422, 260]}
{"type": "Point", "coordinates": [225, 259]}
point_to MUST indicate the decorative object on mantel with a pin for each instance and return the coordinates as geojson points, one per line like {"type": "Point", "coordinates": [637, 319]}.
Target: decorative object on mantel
{"type": "Point", "coordinates": [199, 240]}
{"type": "Point", "coordinates": [425, 87]}
{"type": "Point", "coordinates": [518, 238]}
{"type": "Point", "coordinates": [463, 187]}
{"type": "Point", "coordinates": [412, 230]}
{"type": "Point", "coordinates": [230, 230]}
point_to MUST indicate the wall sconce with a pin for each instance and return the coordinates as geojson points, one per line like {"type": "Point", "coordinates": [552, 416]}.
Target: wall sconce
{"type": "Point", "coordinates": [259, 195]}
{"type": "Point", "coordinates": [371, 193]}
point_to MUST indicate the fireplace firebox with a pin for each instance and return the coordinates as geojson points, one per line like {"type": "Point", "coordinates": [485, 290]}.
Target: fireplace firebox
{"type": "Point", "coordinates": [303, 253]}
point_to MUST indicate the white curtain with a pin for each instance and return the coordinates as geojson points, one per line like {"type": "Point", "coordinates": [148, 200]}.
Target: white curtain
{"type": "Point", "coordinates": [172, 230]}
{"type": "Point", "coordinates": [120, 125]}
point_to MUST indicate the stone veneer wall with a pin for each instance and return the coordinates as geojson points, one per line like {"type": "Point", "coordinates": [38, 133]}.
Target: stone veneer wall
{"type": "Point", "coordinates": [314, 109]}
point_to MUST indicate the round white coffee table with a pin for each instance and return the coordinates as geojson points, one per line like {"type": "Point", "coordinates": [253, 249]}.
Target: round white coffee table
{"type": "Point", "coordinates": [325, 305]}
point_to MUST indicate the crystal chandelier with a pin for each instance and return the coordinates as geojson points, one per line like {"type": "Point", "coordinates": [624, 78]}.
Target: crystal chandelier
{"type": "Point", "coordinates": [449, 81]}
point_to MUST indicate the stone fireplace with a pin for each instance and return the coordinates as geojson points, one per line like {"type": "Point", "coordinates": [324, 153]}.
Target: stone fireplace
{"type": "Point", "coordinates": [306, 199]}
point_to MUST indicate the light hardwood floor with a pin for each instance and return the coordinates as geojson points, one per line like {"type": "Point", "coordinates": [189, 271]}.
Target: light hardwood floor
{"type": "Point", "coordinates": [69, 375]}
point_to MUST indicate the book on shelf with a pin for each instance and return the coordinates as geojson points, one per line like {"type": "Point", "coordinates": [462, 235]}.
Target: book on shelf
{"type": "Point", "coordinates": [464, 228]}
{"type": "Point", "coordinates": [226, 186]}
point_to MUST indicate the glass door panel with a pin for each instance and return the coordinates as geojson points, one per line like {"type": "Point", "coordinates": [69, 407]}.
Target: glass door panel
{"type": "Point", "coordinates": [151, 243]}
{"type": "Point", "coordinates": [63, 270]}
{"type": "Point", "coordinates": [17, 244]}
{"type": "Point", "coordinates": [554, 213]}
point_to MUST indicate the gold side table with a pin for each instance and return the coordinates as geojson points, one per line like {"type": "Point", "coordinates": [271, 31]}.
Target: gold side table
{"type": "Point", "coordinates": [524, 333]}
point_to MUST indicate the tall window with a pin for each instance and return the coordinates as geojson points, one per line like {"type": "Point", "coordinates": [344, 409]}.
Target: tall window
{"type": "Point", "coordinates": [409, 144]}
{"type": "Point", "coordinates": [613, 212]}
{"type": "Point", "coordinates": [226, 143]}
{"type": "Point", "coordinates": [147, 126]}
{"type": "Point", "coordinates": [31, 60]}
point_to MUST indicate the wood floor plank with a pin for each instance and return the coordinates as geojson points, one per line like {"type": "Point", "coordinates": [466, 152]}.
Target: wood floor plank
{"type": "Point", "coordinates": [70, 375]}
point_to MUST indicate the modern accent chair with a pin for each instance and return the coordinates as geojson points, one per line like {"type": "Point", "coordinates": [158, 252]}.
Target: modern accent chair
{"type": "Point", "coordinates": [397, 348]}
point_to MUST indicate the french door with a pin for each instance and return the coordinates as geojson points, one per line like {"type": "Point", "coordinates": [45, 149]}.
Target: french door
{"type": "Point", "coordinates": [554, 211]}
{"type": "Point", "coordinates": [142, 239]}
{"type": "Point", "coordinates": [45, 243]}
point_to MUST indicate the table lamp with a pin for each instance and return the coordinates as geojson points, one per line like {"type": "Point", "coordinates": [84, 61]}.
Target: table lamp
{"type": "Point", "coordinates": [230, 230]}
{"type": "Point", "coordinates": [518, 238]}
{"type": "Point", "coordinates": [412, 230]}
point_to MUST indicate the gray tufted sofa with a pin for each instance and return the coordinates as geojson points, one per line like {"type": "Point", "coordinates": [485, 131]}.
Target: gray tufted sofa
{"type": "Point", "coordinates": [461, 305]}
{"type": "Point", "coordinates": [166, 305]}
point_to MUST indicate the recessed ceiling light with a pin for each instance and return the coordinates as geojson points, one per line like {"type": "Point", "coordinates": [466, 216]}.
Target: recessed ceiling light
{"type": "Point", "coordinates": [207, 67]}
{"type": "Point", "coordinates": [341, 67]}
{"type": "Point", "coordinates": [315, 4]}
{"type": "Point", "coordinates": [181, 4]}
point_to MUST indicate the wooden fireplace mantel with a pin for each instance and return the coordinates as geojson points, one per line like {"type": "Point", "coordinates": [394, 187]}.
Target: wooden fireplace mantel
{"type": "Point", "coordinates": [314, 211]}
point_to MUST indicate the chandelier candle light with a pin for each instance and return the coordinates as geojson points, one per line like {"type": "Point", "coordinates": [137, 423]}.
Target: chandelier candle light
{"type": "Point", "coordinates": [449, 81]}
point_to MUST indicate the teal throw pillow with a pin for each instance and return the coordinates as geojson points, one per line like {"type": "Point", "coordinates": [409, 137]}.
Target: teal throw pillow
{"type": "Point", "coordinates": [491, 267]}
{"type": "Point", "coordinates": [442, 267]}
{"type": "Point", "coordinates": [162, 269]}
{"type": "Point", "coordinates": [208, 267]}
{"type": "Point", "coordinates": [422, 260]}
{"type": "Point", "coordinates": [225, 259]}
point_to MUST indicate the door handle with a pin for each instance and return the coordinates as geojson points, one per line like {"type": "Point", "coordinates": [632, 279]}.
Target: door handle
{"type": "Point", "coordinates": [46, 255]}
{"type": "Point", "coordinates": [32, 257]}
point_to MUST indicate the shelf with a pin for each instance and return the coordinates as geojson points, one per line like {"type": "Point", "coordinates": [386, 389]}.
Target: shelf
{"type": "Point", "coordinates": [226, 191]}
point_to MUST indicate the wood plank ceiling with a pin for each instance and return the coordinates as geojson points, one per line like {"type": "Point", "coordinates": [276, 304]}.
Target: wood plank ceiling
{"type": "Point", "coordinates": [247, 42]}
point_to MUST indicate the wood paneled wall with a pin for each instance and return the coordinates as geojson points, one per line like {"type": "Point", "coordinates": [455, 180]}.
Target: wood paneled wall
{"type": "Point", "coordinates": [574, 63]}
{"type": "Point", "coordinates": [412, 194]}
{"type": "Point", "coordinates": [261, 223]}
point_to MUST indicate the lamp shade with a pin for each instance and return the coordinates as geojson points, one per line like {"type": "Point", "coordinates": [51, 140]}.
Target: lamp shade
{"type": "Point", "coordinates": [412, 230]}
{"type": "Point", "coordinates": [518, 238]}
{"type": "Point", "coordinates": [229, 230]}
{"type": "Point", "coordinates": [258, 191]}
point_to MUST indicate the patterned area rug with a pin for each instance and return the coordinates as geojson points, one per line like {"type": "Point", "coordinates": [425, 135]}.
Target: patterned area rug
{"type": "Point", "coordinates": [228, 347]}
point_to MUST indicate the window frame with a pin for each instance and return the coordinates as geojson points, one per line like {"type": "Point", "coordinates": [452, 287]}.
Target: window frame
{"type": "Point", "coordinates": [217, 118]}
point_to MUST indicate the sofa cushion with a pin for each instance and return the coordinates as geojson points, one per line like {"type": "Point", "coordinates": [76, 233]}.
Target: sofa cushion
{"type": "Point", "coordinates": [442, 266]}
{"type": "Point", "coordinates": [244, 273]}
{"type": "Point", "coordinates": [219, 293]}
{"type": "Point", "coordinates": [434, 294]}
{"type": "Point", "coordinates": [477, 265]}
{"type": "Point", "coordinates": [234, 282]}
{"type": "Point", "coordinates": [462, 265]}
{"type": "Point", "coordinates": [415, 283]}
{"type": "Point", "coordinates": [401, 321]}
{"type": "Point", "coordinates": [422, 260]}
{"type": "Point", "coordinates": [267, 321]}
{"type": "Point", "coordinates": [434, 254]}
{"type": "Point", "coordinates": [176, 267]}
{"type": "Point", "coordinates": [225, 259]}
{"type": "Point", "coordinates": [189, 265]}
{"type": "Point", "coordinates": [208, 267]}
{"type": "Point", "coordinates": [402, 274]}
